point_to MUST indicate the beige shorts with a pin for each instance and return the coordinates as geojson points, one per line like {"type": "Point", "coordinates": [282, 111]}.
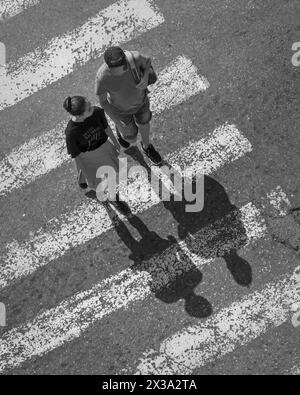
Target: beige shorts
{"type": "Point", "coordinates": [130, 122]}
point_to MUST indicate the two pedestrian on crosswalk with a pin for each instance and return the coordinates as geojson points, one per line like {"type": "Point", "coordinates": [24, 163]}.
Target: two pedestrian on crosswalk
{"type": "Point", "coordinates": [122, 90]}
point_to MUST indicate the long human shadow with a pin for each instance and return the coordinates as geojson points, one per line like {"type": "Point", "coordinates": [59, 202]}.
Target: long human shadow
{"type": "Point", "coordinates": [168, 282]}
{"type": "Point", "coordinates": [215, 231]}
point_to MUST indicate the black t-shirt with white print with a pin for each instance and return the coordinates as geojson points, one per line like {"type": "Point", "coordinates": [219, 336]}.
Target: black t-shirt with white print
{"type": "Point", "coordinates": [88, 135]}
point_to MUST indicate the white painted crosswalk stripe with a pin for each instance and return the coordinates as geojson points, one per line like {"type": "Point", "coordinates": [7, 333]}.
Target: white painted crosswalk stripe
{"type": "Point", "coordinates": [69, 320]}
{"type": "Point", "coordinates": [120, 22]}
{"type": "Point", "coordinates": [177, 83]}
{"type": "Point", "coordinates": [232, 327]}
{"type": "Point", "coordinates": [192, 347]}
{"type": "Point", "coordinates": [10, 8]}
{"type": "Point", "coordinates": [88, 221]}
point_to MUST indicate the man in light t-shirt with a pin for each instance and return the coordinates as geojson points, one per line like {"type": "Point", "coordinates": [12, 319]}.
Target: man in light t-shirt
{"type": "Point", "coordinates": [125, 101]}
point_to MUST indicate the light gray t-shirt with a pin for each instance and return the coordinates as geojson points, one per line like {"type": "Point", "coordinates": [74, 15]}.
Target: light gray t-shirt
{"type": "Point", "coordinates": [121, 90]}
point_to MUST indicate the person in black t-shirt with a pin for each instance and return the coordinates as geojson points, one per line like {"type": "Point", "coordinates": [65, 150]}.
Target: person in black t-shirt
{"type": "Point", "coordinates": [87, 142]}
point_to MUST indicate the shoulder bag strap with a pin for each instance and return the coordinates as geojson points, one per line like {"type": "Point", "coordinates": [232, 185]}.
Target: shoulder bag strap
{"type": "Point", "coordinates": [134, 70]}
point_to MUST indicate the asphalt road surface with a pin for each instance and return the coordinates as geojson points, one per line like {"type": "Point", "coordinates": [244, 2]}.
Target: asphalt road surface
{"type": "Point", "coordinates": [88, 290]}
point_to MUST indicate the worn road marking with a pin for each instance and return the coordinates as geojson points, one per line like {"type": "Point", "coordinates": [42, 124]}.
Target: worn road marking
{"type": "Point", "coordinates": [89, 220]}
{"type": "Point", "coordinates": [232, 327]}
{"type": "Point", "coordinates": [120, 22]}
{"type": "Point", "coordinates": [177, 83]}
{"type": "Point", "coordinates": [69, 320]}
{"type": "Point", "coordinates": [10, 8]}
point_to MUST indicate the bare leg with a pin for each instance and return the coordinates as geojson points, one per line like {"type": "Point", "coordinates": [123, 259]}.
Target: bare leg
{"type": "Point", "coordinates": [147, 147]}
{"type": "Point", "coordinates": [82, 182]}
{"type": "Point", "coordinates": [145, 134]}
{"type": "Point", "coordinates": [123, 141]}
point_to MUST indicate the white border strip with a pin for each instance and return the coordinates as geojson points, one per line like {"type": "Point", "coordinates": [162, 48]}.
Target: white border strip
{"type": "Point", "coordinates": [11, 8]}
{"type": "Point", "coordinates": [232, 327]}
{"type": "Point", "coordinates": [72, 317]}
{"type": "Point", "coordinates": [89, 221]}
{"type": "Point", "coordinates": [177, 83]}
{"type": "Point", "coordinates": [120, 22]}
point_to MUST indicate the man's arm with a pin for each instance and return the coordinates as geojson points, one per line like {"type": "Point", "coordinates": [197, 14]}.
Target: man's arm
{"type": "Point", "coordinates": [101, 92]}
{"type": "Point", "coordinates": [145, 66]}
{"type": "Point", "coordinates": [107, 107]}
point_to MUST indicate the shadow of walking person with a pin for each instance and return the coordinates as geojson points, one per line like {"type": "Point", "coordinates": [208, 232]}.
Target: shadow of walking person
{"type": "Point", "coordinates": [215, 231]}
{"type": "Point", "coordinates": [184, 288]}
{"type": "Point", "coordinates": [172, 276]}
{"type": "Point", "coordinates": [239, 268]}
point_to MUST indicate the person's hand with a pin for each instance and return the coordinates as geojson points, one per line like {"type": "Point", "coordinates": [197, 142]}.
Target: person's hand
{"type": "Point", "coordinates": [143, 84]}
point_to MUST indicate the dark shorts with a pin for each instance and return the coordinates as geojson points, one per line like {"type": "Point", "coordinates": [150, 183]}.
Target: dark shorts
{"type": "Point", "coordinates": [131, 122]}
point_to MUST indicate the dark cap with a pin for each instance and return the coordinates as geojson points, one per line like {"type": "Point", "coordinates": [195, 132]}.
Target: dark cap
{"type": "Point", "coordinates": [114, 57]}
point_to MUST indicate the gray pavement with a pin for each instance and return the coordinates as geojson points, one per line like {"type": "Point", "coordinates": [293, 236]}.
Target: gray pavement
{"type": "Point", "coordinates": [244, 50]}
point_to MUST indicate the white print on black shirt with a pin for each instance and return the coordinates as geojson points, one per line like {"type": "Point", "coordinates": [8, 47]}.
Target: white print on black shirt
{"type": "Point", "coordinates": [92, 136]}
